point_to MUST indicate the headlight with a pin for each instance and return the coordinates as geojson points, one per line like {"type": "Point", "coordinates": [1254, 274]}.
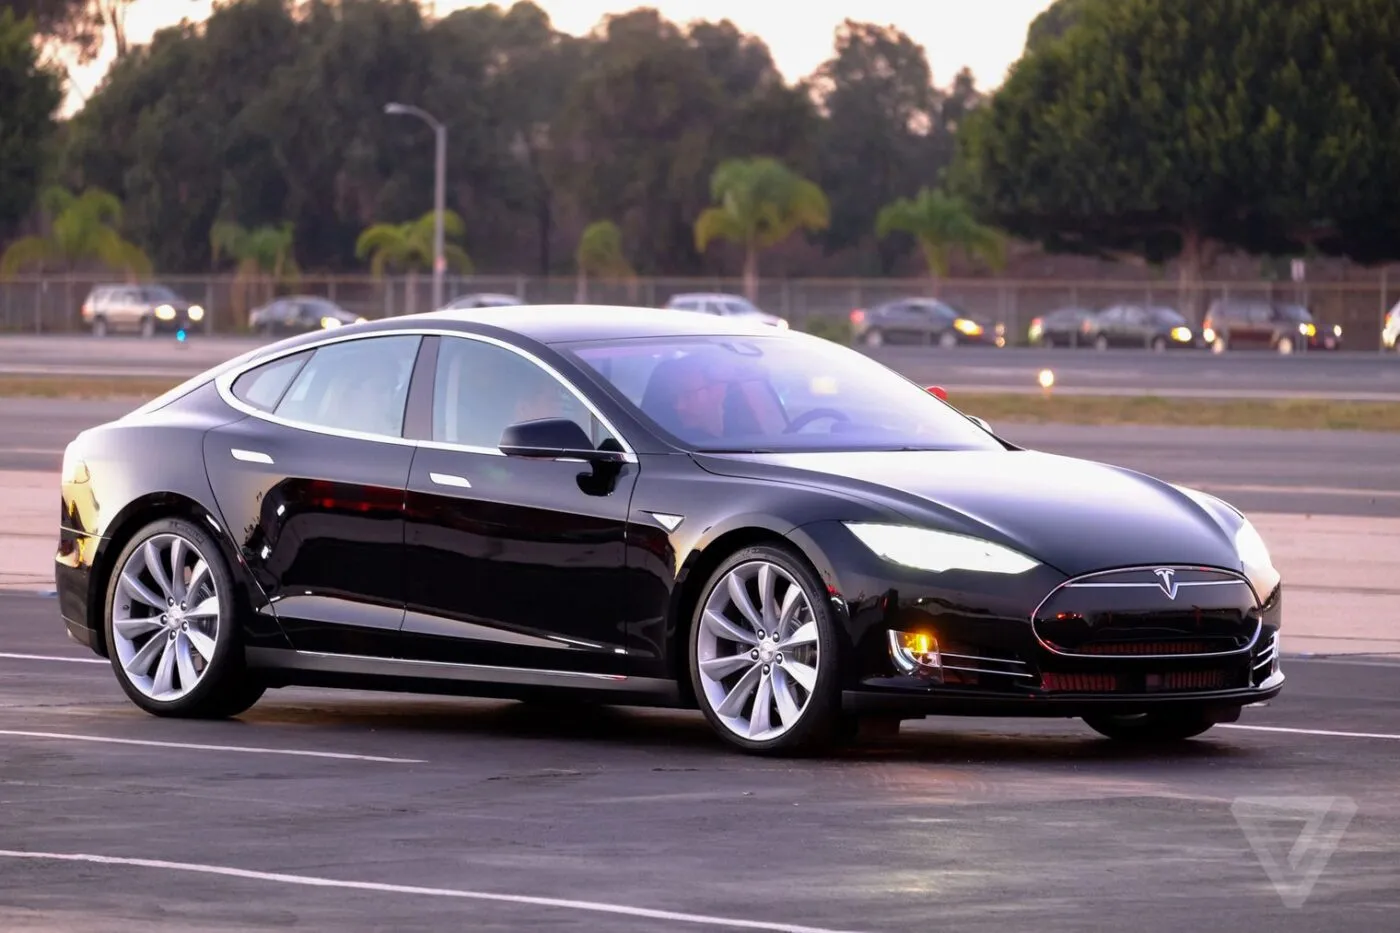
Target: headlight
{"type": "Point", "coordinates": [1307, 330]}
{"type": "Point", "coordinates": [1251, 547]}
{"type": "Point", "coordinates": [165, 313]}
{"type": "Point", "coordinates": [939, 551]}
{"type": "Point", "coordinates": [75, 469]}
{"type": "Point", "coordinates": [361, 320]}
{"type": "Point", "coordinates": [971, 328]}
{"type": "Point", "coordinates": [329, 323]}
{"type": "Point", "coordinates": [1336, 330]}
{"type": "Point", "coordinates": [1181, 334]}
{"type": "Point", "coordinates": [196, 313]}
{"type": "Point", "coordinates": [1208, 335]}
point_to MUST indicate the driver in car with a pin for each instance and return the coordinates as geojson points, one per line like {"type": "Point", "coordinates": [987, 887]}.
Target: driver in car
{"type": "Point", "coordinates": [699, 400]}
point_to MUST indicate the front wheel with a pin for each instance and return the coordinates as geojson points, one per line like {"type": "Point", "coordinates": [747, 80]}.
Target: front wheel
{"type": "Point", "coordinates": [170, 626]}
{"type": "Point", "coordinates": [1153, 727]}
{"type": "Point", "coordinates": [948, 339]}
{"type": "Point", "coordinates": [763, 653]}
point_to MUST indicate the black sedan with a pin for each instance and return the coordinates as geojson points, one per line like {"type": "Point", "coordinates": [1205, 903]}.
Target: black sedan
{"type": "Point", "coordinates": [637, 508]}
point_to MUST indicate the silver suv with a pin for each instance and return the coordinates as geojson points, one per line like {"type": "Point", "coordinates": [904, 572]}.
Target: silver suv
{"type": "Point", "coordinates": [144, 309]}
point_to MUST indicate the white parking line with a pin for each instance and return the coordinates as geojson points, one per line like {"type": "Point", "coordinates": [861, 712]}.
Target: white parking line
{"type": "Point", "coordinates": [310, 881]}
{"type": "Point", "coordinates": [52, 657]}
{"type": "Point", "coordinates": [250, 749]}
{"type": "Point", "coordinates": [1345, 735]}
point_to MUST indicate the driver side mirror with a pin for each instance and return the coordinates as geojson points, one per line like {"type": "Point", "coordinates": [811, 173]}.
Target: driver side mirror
{"type": "Point", "coordinates": [981, 423]}
{"type": "Point", "coordinates": [553, 439]}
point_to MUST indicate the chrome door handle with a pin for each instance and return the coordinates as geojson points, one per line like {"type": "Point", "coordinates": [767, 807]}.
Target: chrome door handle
{"type": "Point", "coordinates": [450, 479]}
{"type": "Point", "coordinates": [249, 456]}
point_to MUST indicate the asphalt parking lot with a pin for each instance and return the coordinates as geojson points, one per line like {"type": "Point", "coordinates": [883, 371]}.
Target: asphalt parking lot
{"type": "Point", "coordinates": [357, 811]}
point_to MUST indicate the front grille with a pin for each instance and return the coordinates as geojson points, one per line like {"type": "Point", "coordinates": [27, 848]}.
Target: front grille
{"type": "Point", "coordinates": [1129, 648]}
{"type": "Point", "coordinates": [1142, 683]}
{"type": "Point", "coordinates": [1141, 613]}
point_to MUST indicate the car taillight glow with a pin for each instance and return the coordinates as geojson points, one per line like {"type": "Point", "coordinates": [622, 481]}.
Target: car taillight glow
{"type": "Point", "coordinates": [857, 316]}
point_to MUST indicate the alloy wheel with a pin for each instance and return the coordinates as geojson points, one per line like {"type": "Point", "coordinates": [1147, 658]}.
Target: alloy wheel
{"type": "Point", "coordinates": [165, 617]}
{"type": "Point", "coordinates": [757, 652]}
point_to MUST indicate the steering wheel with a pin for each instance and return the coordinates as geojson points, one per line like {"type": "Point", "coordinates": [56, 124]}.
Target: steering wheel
{"type": "Point", "coordinates": [807, 417]}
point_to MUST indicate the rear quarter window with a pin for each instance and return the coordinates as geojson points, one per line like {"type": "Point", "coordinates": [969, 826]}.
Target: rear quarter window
{"type": "Point", "coordinates": [263, 386]}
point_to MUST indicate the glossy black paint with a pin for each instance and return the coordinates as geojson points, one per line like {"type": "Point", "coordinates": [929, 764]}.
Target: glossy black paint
{"type": "Point", "coordinates": [404, 564]}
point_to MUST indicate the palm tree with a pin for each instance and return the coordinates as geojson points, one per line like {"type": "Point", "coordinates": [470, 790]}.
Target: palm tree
{"type": "Point", "coordinates": [82, 228]}
{"type": "Point", "coordinates": [262, 255]}
{"type": "Point", "coordinates": [600, 255]}
{"type": "Point", "coordinates": [409, 246]}
{"type": "Point", "coordinates": [942, 224]}
{"type": "Point", "coordinates": [759, 203]}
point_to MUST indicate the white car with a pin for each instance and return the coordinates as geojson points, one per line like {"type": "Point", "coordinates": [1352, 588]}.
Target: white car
{"type": "Point", "coordinates": [723, 305]}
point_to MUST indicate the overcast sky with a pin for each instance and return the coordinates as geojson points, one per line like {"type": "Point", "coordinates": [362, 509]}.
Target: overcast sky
{"type": "Point", "coordinates": [985, 36]}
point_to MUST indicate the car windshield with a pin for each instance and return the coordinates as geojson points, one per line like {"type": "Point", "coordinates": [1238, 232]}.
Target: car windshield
{"type": "Point", "coordinates": [776, 394]}
{"type": "Point", "coordinates": [737, 306]}
{"type": "Point", "coordinates": [1294, 313]}
{"type": "Point", "coordinates": [158, 293]}
{"type": "Point", "coordinates": [1167, 316]}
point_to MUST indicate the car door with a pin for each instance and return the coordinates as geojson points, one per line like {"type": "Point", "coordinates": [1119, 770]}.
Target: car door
{"type": "Point", "coordinates": [312, 483]}
{"type": "Point", "coordinates": [1132, 328]}
{"type": "Point", "coordinates": [512, 562]}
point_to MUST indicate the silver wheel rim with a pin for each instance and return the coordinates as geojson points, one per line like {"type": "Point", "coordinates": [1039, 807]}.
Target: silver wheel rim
{"type": "Point", "coordinates": [165, 617]}
{"type": "Point", "coordinates": [757, 652]}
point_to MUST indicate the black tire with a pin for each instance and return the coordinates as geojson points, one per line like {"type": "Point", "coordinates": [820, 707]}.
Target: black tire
{"type": "Point", "coordinates": [99, 326]}
{"type": "Point", "coordinates": [1153, 727]}
{"type": "Point", "coordinates": [1100, 343]}
{"type": "Point", "coordinates": [1159, 344]}
{"type": "Point", "coordinates": [819, 726]}
{"type": "Point", "coordinates": [225, 689]}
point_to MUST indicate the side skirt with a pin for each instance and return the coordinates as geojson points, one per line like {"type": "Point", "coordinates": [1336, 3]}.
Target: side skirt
{"type": "Point", "coordinates": [285, 668]}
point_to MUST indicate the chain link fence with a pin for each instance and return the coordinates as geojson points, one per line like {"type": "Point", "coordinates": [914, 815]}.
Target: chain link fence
{"type": "Point", "coordinates": [52, 304]}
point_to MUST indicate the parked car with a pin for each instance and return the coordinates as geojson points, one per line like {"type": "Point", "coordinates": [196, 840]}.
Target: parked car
{"type": "Point", "coordinates": [1063, 327]}
{"type": "Point", "coordinates": [1390, 334]}
{"type": "Point", "coordinates": [481, 300]}
{"type": "Point", "coordinates": [917, 320]}
{"type": "Point", "coordinates": [635, 507]}
{"type": "Point", "coordinates": [1256, 324]}
{"type": "Point", "coordinates": [143, 309]}
{"type": "Point", "coordinates": [723, 305]}
{"type": "Point", "coordinates": [1157, 328]}
{"type": "Point", "coordinates": [297, 314]}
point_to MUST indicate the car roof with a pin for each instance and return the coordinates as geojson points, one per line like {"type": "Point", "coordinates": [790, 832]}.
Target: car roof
{"type": "Point", "coordinates": [568, 323]}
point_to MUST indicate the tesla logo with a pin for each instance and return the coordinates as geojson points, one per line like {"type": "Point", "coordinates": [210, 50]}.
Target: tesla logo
{"type": "Point", "coordinates": [1166, 580]}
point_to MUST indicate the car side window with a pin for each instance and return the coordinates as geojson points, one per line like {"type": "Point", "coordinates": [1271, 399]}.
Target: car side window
{"type": "Point", "coordinates": [263, 386]}
{"type": "Point", "coordinates": [357, 385]}
{"type": "Point", "coordinates": [481, 389]}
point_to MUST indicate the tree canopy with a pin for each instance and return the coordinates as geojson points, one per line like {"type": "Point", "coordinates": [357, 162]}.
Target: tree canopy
{"type": "Point", "coordinates": [29, 95]}
{"type": "Point", "coordinates": [1164, 129]}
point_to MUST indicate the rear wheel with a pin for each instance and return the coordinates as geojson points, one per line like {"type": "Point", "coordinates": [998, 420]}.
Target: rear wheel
{"type": "Point", "coordinates": [170, 626]}
{"type": "Point", "coordinates": [99, 326]}
{"type": "Point", "coordinates": [1159, 344]}
{"type": "Point", "coordinates": [1153, 727]}
{"type": "Point", "coordinates": [1285, 346]}
{"type": "Point", "coordinates": [148, 327]}
{"type": "Point", "coordinates": [874, 337]}
{"type": "Point", "coordinates": [1100, 342]}
{"type": "Point", "coordinates": [763, 653]}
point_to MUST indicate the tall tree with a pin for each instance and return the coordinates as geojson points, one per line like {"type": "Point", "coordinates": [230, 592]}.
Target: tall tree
{"type": "Point", "coordinates": [409, 247]}
{"type": "Point", "coordinates": [29, 95]}
{"type": "Point", "coordinates": [600, 255]}
{"type": "Point", "coordinates": [83, 229]}
{"type": "Point", "coordinates": [759, 203]}
{"type": "Point", "coordinates": [943, 226]}
{"type": "Point", "coordinates": [263, 257]}
{"type": "Point", "coordinates": [880, 140]}
{"type": "Point", "coordinates": [1167, 130]}
{"type": "Point", "coordinates": [1053, 22]}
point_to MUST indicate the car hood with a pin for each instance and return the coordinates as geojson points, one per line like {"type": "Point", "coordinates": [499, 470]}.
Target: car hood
{"type": "Point", "coordinates": [1075, 515]}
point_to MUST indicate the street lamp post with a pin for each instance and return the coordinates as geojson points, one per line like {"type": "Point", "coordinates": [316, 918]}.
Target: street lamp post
{"type": "Point", "coordinates": [439, 190]}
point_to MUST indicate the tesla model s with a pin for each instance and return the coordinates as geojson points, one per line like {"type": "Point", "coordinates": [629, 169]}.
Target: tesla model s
{"type": "Point", "coordinates": [675, 510]}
